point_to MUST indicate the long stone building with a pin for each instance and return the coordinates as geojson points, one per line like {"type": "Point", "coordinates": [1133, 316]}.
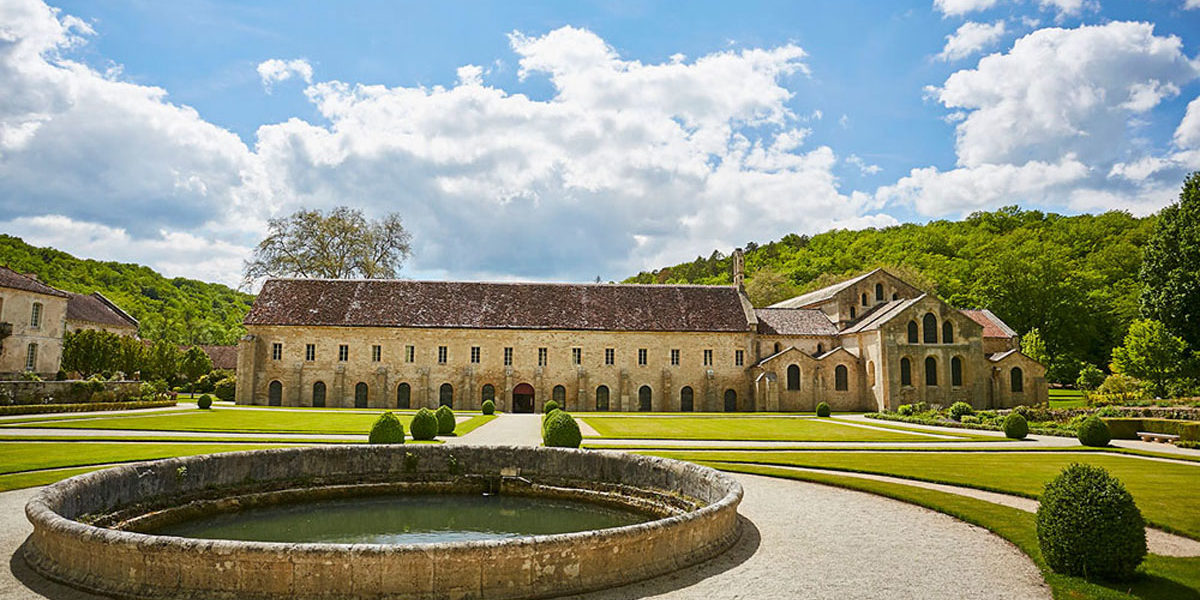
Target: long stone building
{"type": "Point", "coordinates": [867, 343]}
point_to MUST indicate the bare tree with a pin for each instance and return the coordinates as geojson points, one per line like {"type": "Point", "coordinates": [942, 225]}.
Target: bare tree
{"type": "Point", "coordinates": [342, 245]}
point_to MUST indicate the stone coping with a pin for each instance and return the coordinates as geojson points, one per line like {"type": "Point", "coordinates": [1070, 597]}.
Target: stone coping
{"type": "Point", "coordinates": [65, 547]}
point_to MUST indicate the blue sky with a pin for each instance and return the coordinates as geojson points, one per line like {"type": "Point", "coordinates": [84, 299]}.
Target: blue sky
{"type": "Point", "coordinates": [572, 140]}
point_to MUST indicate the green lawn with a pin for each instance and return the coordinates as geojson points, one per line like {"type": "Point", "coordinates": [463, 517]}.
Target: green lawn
{"type": "Point", "coordinates": [744, 428]}
{"type": "Point", "coordinates": [1165, 492]}
{"type": "Point", "coordinates": [16, 457]}
{"type": "Point", "coordinates": [1062, 398]}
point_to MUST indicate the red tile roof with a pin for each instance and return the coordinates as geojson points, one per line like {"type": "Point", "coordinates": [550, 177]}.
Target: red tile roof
{"type": "Point", "coordinates": [223, 357]}
{"type": "Point", "coordinates": [993, 327]}
{"type": "Point", "coordinates": [95, 308]}
{"type": "Point", "coordinates": [14, 280]}
{"type": "Point", "coordinates": [794, 321]}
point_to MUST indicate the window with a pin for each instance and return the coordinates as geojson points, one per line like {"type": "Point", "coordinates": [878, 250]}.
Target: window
{"type": "Point", "coordinates": [318, 399]}
{"type": "Point", "coordinates": [360, 395]}
{"type": "Point", "coordinates": [610, 357]}
{"type": "Point", "coordinates": [913, 332]}
{"type": "Point", "coordinates": [310, 352]}
{"type": "Point", "coordinates": [31, 357]}
{"type": "Point", "coordinates": [793, 377]}
{"type": "Point", "coordinates": [474, 355]}
{"type": "Point", "coordinates": [577, 356]}
{"type": "Point", "coordinates": [35, 317]}
{"type": "Point", "coordinates": [864, 299]}
{"type": "Point", "coordinates": [947, 333]}
{"type": "Point", "coordinates": [929, 322]}
{"type": "Point", "coordinates": [343, 353]}
{"type": "Point", "coordinates": [931, 371]}
{"type": "Point", "coordinates": [542, 357]}
{"type": "Point", "coordinates": [559, 395]}
{"type": "Point", "coordinates": [508, 356]}
{"type": "Point", "coordinates": [895, 296]}
{"type": "Point", "coordinates": [708, 358]}
{"type": "Point", "coordinates": [376, 353]}
{"type": "Point", "coordinates": [443, 355]}
{"type": "Point", "coordinates": [602, 398]}
{"type": "Point", "coordinates": [674, 357]}
{"type": "Point", "coordinates": [905, 372]}
{"type": "Point", "coordinates": [820, 349]}
{"type": "Point", "coordinates": [276, 351]}
{"type": "Point", "coordinates": [446, 395]}
{"type": "Point", "coordinates": [403, 396]}
{"type": "Point", "coordinates": [956, 371]}
{"type": "Point", "coordinates": [777, 347]}
{"type": "Point", "coordinates": [730, 401]}
{"type": "Point", "coordinates": [879, 292]}
{"type": "Point", "coordinates": [687, 399]}
{"type": "Point", "coordinates": [1018, 380]}
{"type": "Point", "coordinates": [645, 398]}
{"type": "Point", "coordinates": [739, 357]}
{"type": "Point", "coordinates": [275, 394]}
{"type": "Point", "coordinates": [641, 356]}
{"type": "Point", "coordinates": [841, 379]}
{"type": "Point", "coordinates": [487, 393]}
{"type": "Point", "coordinates": [871, 373]}
{"type": "Point", "coordinates": [410, 353]}
{"type": "Point", "coordinates": [852, 314]}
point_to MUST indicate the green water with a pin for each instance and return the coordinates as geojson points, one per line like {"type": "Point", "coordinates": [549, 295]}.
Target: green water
{"type": "Point", "coordinates": [415, 519]}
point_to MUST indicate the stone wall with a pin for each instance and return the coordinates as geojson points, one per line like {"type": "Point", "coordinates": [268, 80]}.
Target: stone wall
{"type": "Point", "coordinates": [60, 392]}
{"type": "Point", "coordinates": [16, 307]}
{"type": "Point", "coordinates": [124, 564]}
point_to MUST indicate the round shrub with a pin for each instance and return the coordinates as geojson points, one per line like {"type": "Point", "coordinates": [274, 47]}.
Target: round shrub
{"type": "Point", "coordinates": [445, 420]}
{"type": "Point", "coordinates": [561, 431]}
{"type": "Point", "coordinates": [904, 410]}
{"type": "Point", "coordinates": [958, 410]}
{"type": "Point", "coordinates": [204, 402]}
{"type": "Point", "coordinates": [489, 407]}
{"type": "Point", "coordinates": [387, 430]}
{"type": "Point", "coordinates": [225, 389]}
{"type": "Point", "coordinates": [1094, 432]}
{"type": "Point", "coordinates": [1015, 426]}
{"type": "Point", "coordinates": [1089, 526]}
{"type": "Point", "coordinates": [823, 409]}
{"type": "Point", "coordinates": [550, 407]}
{"type": "Point", "coordinates": [424, 425]}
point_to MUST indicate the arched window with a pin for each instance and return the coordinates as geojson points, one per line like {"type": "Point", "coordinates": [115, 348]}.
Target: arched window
{"type": "Point", "coordinates": [793, 377]}
{"type": "Point", "coordinates": [446, 395]}
{"type": "Point", "coordinates": [687, 399]}
{"type": "Point", "coordinates": [488, 392]}
{"type": "Point", "coordinates": [319, 394]}
{"type": "Point", "coordinates": [403, 396]}
{"type": "Point", "coordinates": [929, 322]}
{"type": "Point", "coordinates": [956, 371]}
{"type": "Point", "coordinates": [275, 394]}
{"type": "Point", "coordinates": [1018, 380]}
{"type": "Point", "coordinates": [777, 347]}
{"type": "Point", "coordinates": [360, 395]}
{"type": "Point", "coordinates": [864, 299]}
{"type": "Point", "coordinates": [35, 317]}
{"type": "Point", "coordinates": [559, 396]}
{"type": "Point", "coordinates": [841, 379]}
{"type": "Point", "coordinates": [905, 372]}
{"type": "Point", "coordinates": [852, 313]}
{"type": "Point", "coordinates": [879, 292]}
{"type": "Point", "coordinates": [895, 296]}
{"type": "Point", "coordinates": [913, 332]}
{"type": "Point", "coordinates": [644, 398]}
{"type": "Point", "coordinates": [947, 333]}
{"type": "Point", "coordinates": [820, 349]}
{"type": "Point", "coordinates": [31, 357]}
{"type": "Point", "coordinates": [730, 401]}
{"type": "Point", "coordinates": [930, 371]}
{"type": "Point", "coordinates": [871, 373]}
{"type": "Point", "coordinates": [602, 398]}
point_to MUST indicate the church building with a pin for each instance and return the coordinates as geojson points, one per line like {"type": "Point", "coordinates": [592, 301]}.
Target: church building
{"type": "Point", "coordinates": [868, 343]}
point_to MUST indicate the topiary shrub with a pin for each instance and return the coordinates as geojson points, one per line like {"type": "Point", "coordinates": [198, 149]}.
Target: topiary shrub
{"type": "Point", "coordinates": [489, 407]}
{"type": "Point", "coordinates": [1015, 426]}
{"type": "Point", "coordinates": [1088, 525]}
{"type": "Point", "coordinates": [561, 431]}
{"type": "Point", "coordinates": [904, 410]}
{"type": "Point", "coordinates": [205, 402]}
{"type": "Point", "coordinates": [958, 410]}
{"type": "Point", "coordinates": [823, 409]}
{"type": "Point", "coordinates": [550, 407]}
{"type": "Point", "coordinates": [445, 420]}
{"type": "Point", "coordinates": [387, 430]}
{"type": "Point", "coordinates": [1094, 432]}
{"type": "Point", "coordinates": [424, 425]}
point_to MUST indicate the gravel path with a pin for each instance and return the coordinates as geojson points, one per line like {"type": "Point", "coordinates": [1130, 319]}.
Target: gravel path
{"type": "Point", "coordinates": [504, 430]}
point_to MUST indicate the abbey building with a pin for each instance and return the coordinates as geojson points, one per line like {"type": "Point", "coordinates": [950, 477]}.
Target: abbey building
{"type": "Point", "coordinates": [868, 343]}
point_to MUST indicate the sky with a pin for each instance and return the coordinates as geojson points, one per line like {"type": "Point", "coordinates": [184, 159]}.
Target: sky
{"type": "Point", "coordinates": [572, 140]}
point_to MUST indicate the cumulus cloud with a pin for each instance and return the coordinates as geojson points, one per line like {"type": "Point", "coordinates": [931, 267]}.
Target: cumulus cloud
{"type": "Point", "coordinates": [1187, 135]}
{"type": "Point", "coordinates": [863, 166]}
{"type": "Point", "coordinates": [274, 70]}
{"type": "Point", "coordinates": [971, 38]}
{"type": "Point", "coordinates": [1190, 4]}
{"type": "Point", "coordinates": [957, 8]}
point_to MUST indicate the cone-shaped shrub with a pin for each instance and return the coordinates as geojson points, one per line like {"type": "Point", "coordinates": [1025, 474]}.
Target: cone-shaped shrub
{"type": "Point", "coordinates": [561, 431]}
{"type": "Point", "coordinates": [1094, 432]}
{"type": "Point", "coordinates": [445, 419]}
{"type": "Point", "coordinates": [424, 425]}
{"type": "Point", "coordinates": [387, 430]}
{"type": "Point", "coordinates": [823, 409]}
{"type": "Point", "coordinates": [1015, 426]}
{"type": "Point", "coordinates": [488, 408]}
{"type": "Point", "coordinates": [1089, 526]}
{"type": "Point", "coordinates": [550, 406]}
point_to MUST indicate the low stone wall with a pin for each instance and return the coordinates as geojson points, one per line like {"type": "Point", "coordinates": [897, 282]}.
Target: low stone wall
{"type": "Point", "coordinates": [62, 392]}
{"type": "Point", "coordinates": [135, 565]}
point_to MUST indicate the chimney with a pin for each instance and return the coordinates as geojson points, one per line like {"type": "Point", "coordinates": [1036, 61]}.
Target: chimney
{"type": "Point", "coordinates": [739, 267]}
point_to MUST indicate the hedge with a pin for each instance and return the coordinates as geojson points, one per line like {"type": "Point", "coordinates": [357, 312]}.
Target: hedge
{"type": "Point", "coordinates": [37, 409]}
{"type": "Point", "coordinates": [1127, 429]}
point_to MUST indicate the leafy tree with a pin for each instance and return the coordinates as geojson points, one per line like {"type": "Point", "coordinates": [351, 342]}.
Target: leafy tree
{"type": "Point", "coordinates": [89, 351]}
{"type": "Point", "coordinates": [1171, 265]}
{"type": "Point", "coordinates": [161, 362]}
{"type": "Point", "coordinates": [344, 244]}
{"type": "Point", "coordinates": [1090, 378]}
{"type": "Point", "coordinates": [129, 356]}
{"type": "Point", "coordinates": [1033, 346]}
{"type": "Point", "coordinates": [1151, 354]}
{"type": "Point", "coordinates": [194, 364]}
{"type": "Point", "coordinates": [768, 286]}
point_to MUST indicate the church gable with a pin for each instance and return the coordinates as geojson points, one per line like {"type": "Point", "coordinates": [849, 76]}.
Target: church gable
{"type": "Point", "coordinates": [848, 301]}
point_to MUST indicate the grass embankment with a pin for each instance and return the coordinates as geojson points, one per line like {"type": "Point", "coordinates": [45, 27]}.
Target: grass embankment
{"type": "Point", "coordinates": [1061, 398]}
{"type": "Point", "coordinates": [756, 428]}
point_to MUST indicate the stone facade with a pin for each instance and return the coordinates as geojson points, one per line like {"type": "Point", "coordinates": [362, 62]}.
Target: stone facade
{"type": "Point", "coordinates": [34, 317]}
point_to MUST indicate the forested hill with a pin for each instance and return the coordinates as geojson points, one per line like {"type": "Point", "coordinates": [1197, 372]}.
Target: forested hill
{"type": "Point", "coordinates": [179, 310]}
{"type": "Point", "coordinates": [1073, 278]}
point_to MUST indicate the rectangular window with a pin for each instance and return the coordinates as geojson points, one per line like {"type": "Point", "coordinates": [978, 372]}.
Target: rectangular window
{"type": "Point", "coordinates": [542, 358]}
{"type": "Point", "coordinates": [310, 352]}
{"type": "Point", "coordinates": [276, 351]}
{"type": "Point", "coordinates": [508, 357]}
{"type": "Point", "coordinates": [610, 356]}
{"type": "Point", "coordinates": [739, 357]}
{"type": "Point", "coordinates": [641, 356]}
{"type": "Point", "coordinates": [376, 353]}
{"type": "Point", "coordinates": [35, 317]}
{"type": "Point", "coordinates": [443, 354]}
{"type": "Point", "coordinates": [475, 355]}
{"type": "Point", "coordinates": [674, 357]}
{"type": "Point", "coordinates": [31, 358]}
{"type": "Point", "coordinates": [343, 353]}
{"type": "Point", "coordinates": [410, 353]}
{"type": "Point", "coordinates": [708, 358]}
{"type": "Point", "coordinates": [577, 356]}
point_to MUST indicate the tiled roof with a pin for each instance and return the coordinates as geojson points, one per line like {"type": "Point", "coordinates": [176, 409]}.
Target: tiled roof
{"type": "Point", "coordinates": [223, 357]}
{"type": "Point", "coordinates": [882, 315]}
{"type": "Point", "coordinates": [999, 356]}
{"type": "Point", "coordinates": [402, 303]}
{"type": "Point", "coordinates": [794, 321]}
{"type": "Point", "coordinates": [821, 295]}
{"type": "Point", "coordinates": [993, 327]}
{"type": "Point", "coordinates": [95, 308]}
{"type": "Point", "coordinates": [14, 280]}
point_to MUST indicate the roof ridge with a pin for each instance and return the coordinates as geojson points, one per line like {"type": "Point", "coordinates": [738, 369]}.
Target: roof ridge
{"type": "Point", "coordinates": [522, 283]}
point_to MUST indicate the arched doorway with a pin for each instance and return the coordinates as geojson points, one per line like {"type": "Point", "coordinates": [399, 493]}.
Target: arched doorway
{"type": "Point", "coordinates": [446, 395]}
{"type": "Point", "coordinates": [687, 399]}
{"type": "Point", "coordinates": [730, 401]}
{"type": "Point", "coordinates": [644, 399]}
{"type": "Point", "coordinates": [487, 393]}
{"type": "Point", "coordinates": [602, 398]}
{"type": "Point", "coordinates": [275, 394]}
{"type": "Point", "coordinates": [319, 394]}
{"type": "Point", "coordinates": [360, 395]}
{"type": "Point", "coordinates": [522, 398]}
{"type": "Point", "coordinates": [403, 396]}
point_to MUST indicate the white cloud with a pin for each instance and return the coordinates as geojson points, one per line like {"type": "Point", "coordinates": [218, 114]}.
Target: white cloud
{"type": "Point", "coordinates": [959, 191]}
{"type": "Point", "coordinates": [1068, 8]}
{"type": "Point", "coordinates": [863, 166]}
{"type": "Point", "coordinates": [1190, 4]}
{"type": "Point", "coordinates": [1187, 135]}
{"type": "Point", "coordinates": [957, 8]}
{"type": "Point", "coordinates": [971, 38]}
{"type": "Point", "coordinates": [274, 70]}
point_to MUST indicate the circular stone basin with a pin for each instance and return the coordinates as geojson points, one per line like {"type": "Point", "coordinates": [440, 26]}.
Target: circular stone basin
{"type": "Point", "coordinates": [142, 530]}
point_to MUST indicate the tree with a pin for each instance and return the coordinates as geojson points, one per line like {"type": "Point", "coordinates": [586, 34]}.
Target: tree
{"type": "Point", "coordinates": [768, 286]}
{"type": "Point", "coordinates": [161, 362]}
{"type": "Point", "coordinates": [1033, 346]}
{"type": "Point", "coordinates": [1171, 265]}
{"type": "Point", "coordinates": [130, 356]}
{"type": "Point", "coordinates": [1090, 378]}
{"type": "Point", "coordinates": [1151, 354]}
{"type": "Point", "coordinates": [89, 351]}
{"type": "Point", "coordinates": [194, 364]}
{"type": "Point", "coordinates": [342, 245]}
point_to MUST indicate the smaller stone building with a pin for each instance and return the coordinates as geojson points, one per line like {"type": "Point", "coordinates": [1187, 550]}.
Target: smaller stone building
{"type": "Point", "coordinates": [32, 321]}
{"type": "Point", "coordinates": [94, 311]}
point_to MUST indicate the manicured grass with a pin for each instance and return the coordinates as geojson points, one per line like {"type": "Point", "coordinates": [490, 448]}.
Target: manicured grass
{"type": "Point", "coordinates": [16, 457]}
{"type": "Point", "coordinates": [469, 425]}
{"type": "Point", "coordinates": [1062, 398]}
{"type": "Point", "coordinates": [1165, 492]}
{"type": "Point", "coordinates": [1162, 577]}
{"type": "Point", "coordinates": [746, 429]}
{"type": "Point", "coordinates": [229, 419]}
{"type": "Point", "coordinates": [998, 448]}
{"type": "Point", "coordinates": [16, 481]}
